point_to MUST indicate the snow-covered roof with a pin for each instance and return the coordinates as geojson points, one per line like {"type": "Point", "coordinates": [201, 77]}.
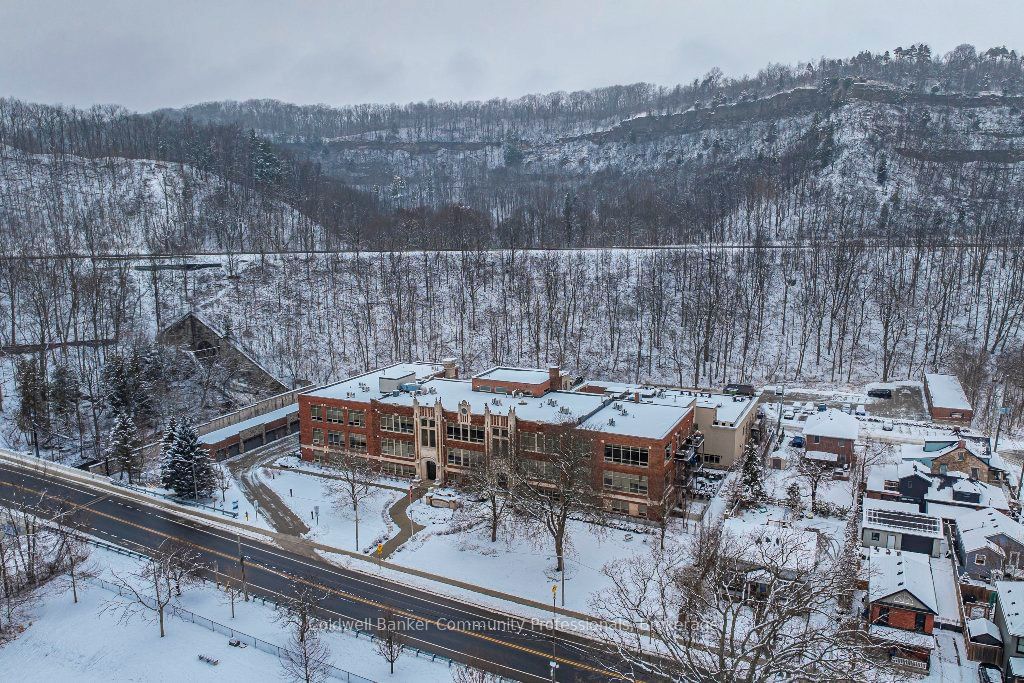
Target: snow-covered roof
{"type": "Point", "coordinates": [982, 627]}
{"type": "Point", "coordinates": [644, 420]}
{"type": "Point", "coordinates": [927, 451]}
{"type": "Point", "coordinates": [729, 409]}
{"type": "Point", "coordinates": [946, 392]}
{"type": "Point", "coordinates": [1011, 603]}
{"type": "Point", "coordinates": [518, 375]}
{"type": "Point", "coordinates": [901, 637]}
{"type": "Point", "coordinates": [1015, 666]}
{"type": "Point", "coordinates": [988, 495]}
{"type": "Point", "coordinates": [879, 474]}
{"type": "Point", "coordinates": [988, 522]}
{"type": "Point", "coordinates": [891, 572]}
{"type": "Point", "coordinates": [366, 386]}
{"type": "Point", "coordinates": [759, 543]}
{"type": "Point", "coordinates": [902, 521]}
{"type": "Point", "coordinates": [554, 407]}
{"type": "Point", "coordinates": [832, 423]}
{"type": "Point", "coordinates": [223, 433]}
{"type": "Point", "coordinates": [824, 456]}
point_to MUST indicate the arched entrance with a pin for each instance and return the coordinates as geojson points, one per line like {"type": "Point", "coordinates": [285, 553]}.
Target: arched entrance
{"type": "Point", "coordinates": [431, 470]}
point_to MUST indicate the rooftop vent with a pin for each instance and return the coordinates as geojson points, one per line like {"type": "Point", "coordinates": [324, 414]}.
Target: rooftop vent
{"type": "Point", "coordinates": [611, 421]}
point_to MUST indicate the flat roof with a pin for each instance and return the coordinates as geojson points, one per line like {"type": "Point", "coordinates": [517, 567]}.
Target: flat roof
{"type": "Point", "coordinates": [629, 418]}
{"type": "Point", "coordinates": [554, 407]}
{"type": "Point", "coordinates": [518, 375]}
{"type": "Point", "coordinates": [728, 408]}
{"type": "Point", "coordinates": [903, 521]}
{"type": "Point", "coordinates": [366, 386]}
{"type": "Point", "coordinates": [223, 433]}
{"type": "Point", "coordinates": [946, 392]}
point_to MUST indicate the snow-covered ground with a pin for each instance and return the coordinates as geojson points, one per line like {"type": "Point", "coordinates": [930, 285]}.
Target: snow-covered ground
{"type": "Point", "coordinates": [84, 643]}
{"type": "Point", "coordinates": [336, 524]}
{"type": "Point", "coordinates": [520, 563]}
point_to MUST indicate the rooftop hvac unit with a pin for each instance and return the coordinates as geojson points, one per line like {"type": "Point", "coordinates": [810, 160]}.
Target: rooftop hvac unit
{"type": "Point", "coordinates": [433, 390]}
{"type": "Point", "coordinates": [611, 421]}
{"type": "Point", "coordinates": [564, 410]}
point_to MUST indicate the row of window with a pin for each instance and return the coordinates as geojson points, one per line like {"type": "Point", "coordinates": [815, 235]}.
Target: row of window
{"type": "Point", "coordinates": [318, 413]}
{"type": "Point", "coordinates": [622, 507]}
{"type": "Point", "coordinates": [625, 455]}
{"type": "Point", "coordinates": [402, 424]}
{"type": "Point", "coordinates": [463, 457]}
{"type": "Point", "coordinates": [355, 442]}
{"type": "Point", "coordinates": [466, 432]}
{"type": "Point", "coordinates": [625, 483]}
{"type": "Point", "coordinates": [396, 469]}
{"type": "Point", "coordinates": [397, 448]}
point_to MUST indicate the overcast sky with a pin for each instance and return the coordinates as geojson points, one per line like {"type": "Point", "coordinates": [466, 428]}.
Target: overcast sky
{"type": "Point", "coordinates": [147, 54]}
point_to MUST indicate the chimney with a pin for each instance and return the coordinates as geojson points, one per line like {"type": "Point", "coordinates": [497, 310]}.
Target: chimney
{"type": "Point", "coordinates": [451, 369]}
{"type": "Point", "coordinates": [554, 377]}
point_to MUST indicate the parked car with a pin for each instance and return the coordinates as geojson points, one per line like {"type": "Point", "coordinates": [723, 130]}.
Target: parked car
{"type": "Point", "coordinates": [880, 393]}
{"type": "Point", "coordinates": [847, 408]}
{"type": "Point", "coordinates": [859, 411]}
{"type": "Point", "coordinates": [787, 414]}
{"type": "Point", "coordinates": [740, 389]}
{"type": "Point", "coordinates": [822, 407]}
{"type": "Point", "coordinates": [797, 441]}
{"type": "Point", "coordinates": [887, 426]}
{"type": "Point", "coordinates": [809, 408]}
{"type": "Point", "coordinates": [779, 391]}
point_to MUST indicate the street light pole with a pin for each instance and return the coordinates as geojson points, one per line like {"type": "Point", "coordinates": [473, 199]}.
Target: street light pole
{"type": "Point", "coordinates": [241, 564]}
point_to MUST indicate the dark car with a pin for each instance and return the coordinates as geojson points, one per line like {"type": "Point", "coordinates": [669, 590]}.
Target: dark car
{"type": "Point", "coordinates": [880, 393]}
{"type": "Point", "coordinates": [739, 389]}
{"type": "Point", "coordinates": [797, 441]}
{"type": "Point", "coordinates": [989, 673]}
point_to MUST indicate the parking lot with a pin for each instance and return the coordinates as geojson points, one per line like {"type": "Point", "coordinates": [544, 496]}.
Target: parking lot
{"type": "Point", "coordinates": [907, 402]}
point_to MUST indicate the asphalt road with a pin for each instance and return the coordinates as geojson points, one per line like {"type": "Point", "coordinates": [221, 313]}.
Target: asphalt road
{"type": "Point", "coordinates": [437, 624]}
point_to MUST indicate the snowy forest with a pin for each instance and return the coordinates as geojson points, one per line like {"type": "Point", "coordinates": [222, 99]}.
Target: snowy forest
{"type": "Point", "coordinates": [839, 221]}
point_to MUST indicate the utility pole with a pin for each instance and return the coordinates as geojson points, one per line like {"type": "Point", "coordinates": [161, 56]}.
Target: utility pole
{"type": "Point", "coordinates": [241, 564]}
{"type": "Point", "coordinates": [554, 624]}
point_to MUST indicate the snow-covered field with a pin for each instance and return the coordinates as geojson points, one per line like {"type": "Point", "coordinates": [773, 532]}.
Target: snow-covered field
{"type": "Point", "coordinates": [82, 642]}
{"type": "Point", "coordinates": [336, 525]}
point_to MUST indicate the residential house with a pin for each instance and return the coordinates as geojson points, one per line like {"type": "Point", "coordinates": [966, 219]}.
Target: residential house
{"type": "Point", "coordinates": [990, 544]}
{"type": "Point", "coordinates": [1009, 617]}
{"type": "Point", "coordinates": [900, 526]}
{"type": "Point", "coordinates": [832, 431]}
{"type": "Point", "coordinates": [902, 605]}
{"type": "Point", "coordinates": [971, 458]}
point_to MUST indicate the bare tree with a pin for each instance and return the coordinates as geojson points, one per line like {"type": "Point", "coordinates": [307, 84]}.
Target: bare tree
{"type": "Point", "coordinates": [729, 609]}
{"type": "Point", "coordinates": [389, 644]}
{"type": "Point", "coordinates": [493, 480]}
{"type": "Point", "coordinates": [71, 548]}
{"type": "Point", "coordinates": [307, 657]}
{"type": "Point", "coordinates": [222, 480]}
{"type": "Point", "coordinates": [467, 674]}
{"type": "Point", "coordinates": [354, 484]}
{"type": "Point", "coordinates": [144, 592]}
{"type": "Point", "coordinates": [557, 483]}
{"type": "Point", "coordinates": [817, 474]}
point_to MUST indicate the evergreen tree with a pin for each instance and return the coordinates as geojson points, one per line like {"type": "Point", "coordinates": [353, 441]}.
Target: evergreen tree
{"type": "Point", "coordinates": [64, 393]}
{"type": "Point", "coordinates": [752, 476]}
{"type": "Point", "coordinates": [191, 469]}
{"type": "Point", "coordinates": [32, 412]}
{"type": "Point", "coordinates": [123, 446]}
{"type": "Point", "coordinates": [167, 454]}
{"type": "Point", "coordinates": [794, 499]}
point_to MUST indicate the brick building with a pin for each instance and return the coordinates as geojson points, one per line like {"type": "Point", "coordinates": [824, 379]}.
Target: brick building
{"type": "Point", "coordinates": [421, 420]}
{"type": "Point", "coordinates": [902, 605]}
{"type": "Point", "coordinates": [832, 431]}
{"type": "Point", "coordinates": [947, 400]}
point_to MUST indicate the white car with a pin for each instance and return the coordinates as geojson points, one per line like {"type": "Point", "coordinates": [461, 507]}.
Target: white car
{"type": "Point", "coordinates": [809, 408]}
{"type": "Point", "coordinates": [860, 411]}
{"type": "Point", "coordinates": [847, 408]}
{"type": "Point", "coordinates": [787, 414]}
{"type": "Point", "coordinates": [887, 426]}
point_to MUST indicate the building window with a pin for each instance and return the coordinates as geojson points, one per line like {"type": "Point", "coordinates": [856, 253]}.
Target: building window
{"type": "Point", "coordinates": [641, 510]}
{"type": "Point", "coordinates": [1020, 646]}
{"type": "Point", "coordinates": [396, 423]}
{"type": "Point", "coordinates": [979, 560]}
{"type": "Point", "coordinates": [397, 448]}
{"type": "Point", "coordinates": [625, 455]}
{"type": "Point", "coordinates": [462, 457]}
{"type": "Point", "coordinates": [713, 459]}
{"type": "Point", "coordinates": [876, 536]}
{"type": "Point", "coordinates": [357, 418]}
{"type": "Point", "coordinates": [541, 470]}
{"type": "Point", "coordinates": [883, 616]}
{"type": "Point", "coordinates": [428, 432]}
{"type": "Point", "coordinates": [975, 473]}
{"type": "Point", "coordinates": [532, 441]}
{"type": "Point", "coordinates": [335, 415]}
{"type": "Point", "coordinates": [316, 413]}
{"type": "Point", "coordinates": [817, 439]}
{"type": "Point", "coordinates": [1014, 559]}
{"type": "Point", "coordinates": [484, 387]}
{"type": "Point", "coordinates": [920, 621]}
{"type": "Point", "coordinates": [398, 470]}
{"type": "Point", "coordinates": [470, 433]}
{"type": "Point", "coordinates": [318, 437]}
{"type": "Point", "coordinates": [892, 485]}
{"type": "Point", "coordinates": [357, 442]}
{"type": "Point", "coordinates": [626, 483]}
{"type": "Point", "coordinates": [620, 506]}
{"type": "Point", "coordinates": [335, 438]}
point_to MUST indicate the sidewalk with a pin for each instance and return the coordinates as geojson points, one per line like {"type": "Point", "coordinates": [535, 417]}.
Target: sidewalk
{"type": "Point", "coordinates": [277, 512]}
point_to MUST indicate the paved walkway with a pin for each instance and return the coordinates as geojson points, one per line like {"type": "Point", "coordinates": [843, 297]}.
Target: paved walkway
{"type": "Point", "coordinates": [276, 510]}
{"type": "Point", "coordinates": [398, 512]}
